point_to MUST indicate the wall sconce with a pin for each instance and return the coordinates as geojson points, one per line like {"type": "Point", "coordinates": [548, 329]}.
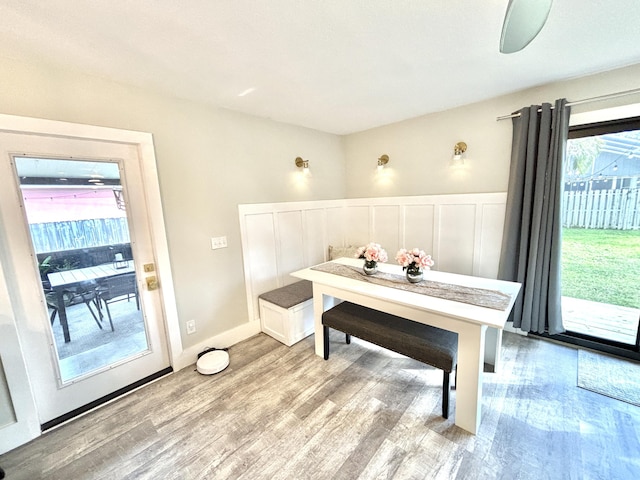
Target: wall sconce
{"type": "Point", "coordinates": [304, 164]}
{"type": "Point", "coordinates": [382, 161]}
{"type": "Point", "coordinates": [458, 152]}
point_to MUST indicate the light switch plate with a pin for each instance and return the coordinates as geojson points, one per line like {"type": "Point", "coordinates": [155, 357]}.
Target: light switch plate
{"type": "Point", "coordinates": [218, 242]}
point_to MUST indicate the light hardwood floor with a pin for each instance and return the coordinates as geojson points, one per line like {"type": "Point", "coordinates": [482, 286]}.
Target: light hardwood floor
{"type": "Point", "coordinates": [284, 413]}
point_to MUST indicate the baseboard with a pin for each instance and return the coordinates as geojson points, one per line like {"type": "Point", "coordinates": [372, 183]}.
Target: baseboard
{"type": "Point", "coordinates": [223, 340]}
{"type": "Point", "coordinates": [508, 327]}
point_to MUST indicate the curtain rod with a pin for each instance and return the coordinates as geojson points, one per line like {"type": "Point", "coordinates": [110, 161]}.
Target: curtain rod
{"type": "Point", "coordinates": [580, 102]}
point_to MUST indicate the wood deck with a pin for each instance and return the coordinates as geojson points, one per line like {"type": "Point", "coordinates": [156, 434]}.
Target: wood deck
{"type": "Point", "coordinates": [601, 320]}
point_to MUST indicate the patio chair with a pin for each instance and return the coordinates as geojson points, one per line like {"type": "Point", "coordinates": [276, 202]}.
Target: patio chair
{"type": "Point", "coordinates": [114, 289]}
{"type": "Point", "coordinates": [83, 293]}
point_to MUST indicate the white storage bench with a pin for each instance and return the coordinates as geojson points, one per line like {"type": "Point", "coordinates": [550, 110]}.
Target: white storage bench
{"type": "Point", "coordinates": [286, 313]}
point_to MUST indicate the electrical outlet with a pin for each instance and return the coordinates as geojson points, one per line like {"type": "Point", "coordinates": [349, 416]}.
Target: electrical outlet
{"type": "Point", "coordinates": [191, 327]}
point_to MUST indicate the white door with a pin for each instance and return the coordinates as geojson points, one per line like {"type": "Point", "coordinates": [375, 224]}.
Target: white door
{"type": "Point", "coordinates": [18, 416]}
{"type": "Point", "coordinates": [57, 393]}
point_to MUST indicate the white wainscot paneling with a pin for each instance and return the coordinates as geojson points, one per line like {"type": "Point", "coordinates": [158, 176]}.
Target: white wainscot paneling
{"type": "Point", "coordinates": [261, 272]}
{"type": "Point", "coordinates": [357, 221]}
{"type": "Point", "coordinates": [386, 228]}
{"type": "Point", "coordinates": [335, 226]}
{"type": "Point", "coordinates": [418, 228]}
{"type": "Point", "coordinates": [463, 233]}
{"type": "Point", "coordinates": [456, 239]}
{"type": "Point", "coordinates": [315, 236]}
{"type": "Point", "coordinates": [290, 244]}
{"type": "Point", "coordinates": [492, 222]}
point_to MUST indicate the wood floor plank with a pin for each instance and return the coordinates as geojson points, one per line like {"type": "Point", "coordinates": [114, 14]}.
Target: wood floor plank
{"type": "Point", "coordinates": [366, 413]}
{"type": "Point", "coordinates": [385, 463]}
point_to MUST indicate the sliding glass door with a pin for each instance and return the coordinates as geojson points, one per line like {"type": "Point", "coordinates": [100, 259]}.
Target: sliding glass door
{"type": "Point", "coordinates": [601, 234]}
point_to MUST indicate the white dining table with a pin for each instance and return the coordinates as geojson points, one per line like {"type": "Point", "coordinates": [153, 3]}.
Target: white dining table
{"type": "Point", "coordinates": [469, 321]}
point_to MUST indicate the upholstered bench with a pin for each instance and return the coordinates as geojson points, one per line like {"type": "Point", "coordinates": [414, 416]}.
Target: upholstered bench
{"type": "Point", "coordinates": [286, 313]}
{"type": "Point", "coordinates": [427, 344]}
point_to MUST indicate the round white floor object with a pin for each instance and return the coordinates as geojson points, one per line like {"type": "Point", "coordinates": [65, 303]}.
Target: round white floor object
{"type": "Point", "coordinates": [212, 362]}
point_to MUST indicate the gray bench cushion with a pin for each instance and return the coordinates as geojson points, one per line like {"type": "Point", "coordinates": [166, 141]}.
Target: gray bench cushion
{"type": "Point", "coordinates": [290, 295]}
{"type": "Point", "coordinates": [424, 343]}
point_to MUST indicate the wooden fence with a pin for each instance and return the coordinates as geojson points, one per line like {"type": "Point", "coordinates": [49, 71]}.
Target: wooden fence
{"type": "Point", "coordinates": [70, 235]}
{"type": "Point", "coordinates": [605, 209]}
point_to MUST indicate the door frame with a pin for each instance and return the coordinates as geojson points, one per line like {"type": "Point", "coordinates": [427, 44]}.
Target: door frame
{"type": "Point", "coordinates": [19, 386]}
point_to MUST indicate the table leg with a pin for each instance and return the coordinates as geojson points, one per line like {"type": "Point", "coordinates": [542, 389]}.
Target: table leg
{"type": "Point", "coordinates": [318, 310]}
{"type": "Point", "coordinates": [469, 377]}
{"type": "Point", "coordinates": [62, 315]}
{"type": "Point", "coordinates": [493, 348]}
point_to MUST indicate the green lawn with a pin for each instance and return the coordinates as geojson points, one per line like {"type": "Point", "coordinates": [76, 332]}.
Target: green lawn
{"type": "Point", "coordinates": [601, 265]}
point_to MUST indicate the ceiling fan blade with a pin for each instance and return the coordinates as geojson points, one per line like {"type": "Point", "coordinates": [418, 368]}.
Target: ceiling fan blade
{"type": "Point", "coordinates": [522, 22]}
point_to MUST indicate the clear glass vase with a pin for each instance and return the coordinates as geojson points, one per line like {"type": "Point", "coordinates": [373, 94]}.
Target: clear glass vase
{"type": "Point", "coordinates": [370, 267]}
{"type": "Point", "coordinates": [414, 275]}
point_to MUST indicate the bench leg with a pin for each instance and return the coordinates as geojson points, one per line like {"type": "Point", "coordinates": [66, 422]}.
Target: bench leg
{"type": "Point", "coordinates": [347, 338]}
{"type": "Point", "coordinates": [445, 395]}
{"type": "Point", "coordinates": [326, 342]}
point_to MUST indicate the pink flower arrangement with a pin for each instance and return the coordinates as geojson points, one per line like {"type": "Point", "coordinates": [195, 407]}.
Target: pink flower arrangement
{"type": "Point", "coordinates": [414, 259]}
{"type": "Point", "coordinates": [372, 252]}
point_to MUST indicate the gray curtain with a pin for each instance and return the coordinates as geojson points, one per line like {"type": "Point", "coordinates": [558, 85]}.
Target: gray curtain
{"type": "Point", "coordinates": [532, 236]}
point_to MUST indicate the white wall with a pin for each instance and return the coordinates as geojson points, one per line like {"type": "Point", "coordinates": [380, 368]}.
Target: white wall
{"type": "Point", "coordinates": [420, 149]}
{"type": "Point", "coordinates": [209, 161]}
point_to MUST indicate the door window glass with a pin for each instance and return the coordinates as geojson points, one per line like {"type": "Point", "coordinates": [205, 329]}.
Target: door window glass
{"type": "Point", "coordinates": [77, 219]}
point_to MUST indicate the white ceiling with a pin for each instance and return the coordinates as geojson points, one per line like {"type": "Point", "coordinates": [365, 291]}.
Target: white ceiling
{"type": "Point", "coordinates": [340, 66]}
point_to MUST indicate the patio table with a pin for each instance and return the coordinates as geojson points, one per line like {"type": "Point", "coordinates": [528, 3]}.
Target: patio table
{"type": "Point", "coordinates": [63, 280]}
